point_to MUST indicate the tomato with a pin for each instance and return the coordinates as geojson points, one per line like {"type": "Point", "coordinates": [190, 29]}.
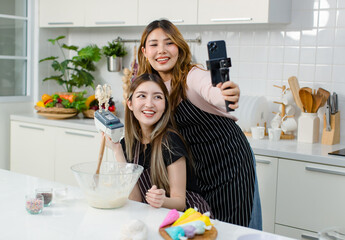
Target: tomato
{"type": "Point", "coordinates": [111, 108]}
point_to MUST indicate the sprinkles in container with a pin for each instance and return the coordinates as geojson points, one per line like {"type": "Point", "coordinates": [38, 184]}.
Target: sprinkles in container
{"type": "Point", "coordinates": [34, 203]}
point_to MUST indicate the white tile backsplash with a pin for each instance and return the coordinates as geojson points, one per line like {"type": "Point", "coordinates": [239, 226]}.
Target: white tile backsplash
{"type": "Point", "coordinates": [311, 47]}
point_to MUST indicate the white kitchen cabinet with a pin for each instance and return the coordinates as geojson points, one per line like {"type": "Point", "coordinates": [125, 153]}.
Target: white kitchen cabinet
{"type": "Point", "coordinates": [267, 168]}
{"type": "Point", "coordinates": [244, 11]}
{"type": "Point", "coordinates": [111, 13]}
{"type": "Point", "coordinates": [180, 12]}
{"type": "Point", "coordinates": [295, 233]}
{"type": "Point", "coordinates": [310, 196]}
{"type": "Point", "coordinates": [62, 13]}
{"type": "Point", "coordinates": [72, 147]}
{"type": "Point", "coordinates": [32, 149]}
{"type": "Point", "coordinates": [49, 152]}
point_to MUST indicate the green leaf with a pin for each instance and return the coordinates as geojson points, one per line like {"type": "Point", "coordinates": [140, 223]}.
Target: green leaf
{"type": "Point", "coordinates": [56, 39]}
{"type": "Point", "coordinates": [72, 47]}
{"type": "Point", "coordinates": [48, 58]}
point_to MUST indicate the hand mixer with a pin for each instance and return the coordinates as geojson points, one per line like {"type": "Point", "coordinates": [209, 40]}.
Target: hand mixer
{"type": "Point", "coordinates": [105, 121]}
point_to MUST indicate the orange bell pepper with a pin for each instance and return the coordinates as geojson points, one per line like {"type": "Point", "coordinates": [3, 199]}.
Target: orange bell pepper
{"type": "Point", "coordinates": [70, 98]}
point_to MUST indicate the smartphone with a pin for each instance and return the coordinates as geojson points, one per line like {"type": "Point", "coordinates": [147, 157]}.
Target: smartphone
{"type": "Point", "coordinates": [217, 57]}
{"type": "Point", "coordinates": [216, 51]}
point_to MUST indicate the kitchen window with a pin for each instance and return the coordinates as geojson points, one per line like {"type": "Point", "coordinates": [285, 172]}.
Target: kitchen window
{"type": "Point", "coordinates": [14, 55]}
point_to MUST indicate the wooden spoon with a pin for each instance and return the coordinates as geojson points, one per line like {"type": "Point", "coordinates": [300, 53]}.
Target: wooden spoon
{"type": "Point", "coordinates": [308, 89]}
{"type": "Point", "coordinates": [294, 86]}
{"type": "Point", "coordinates": [100, 157]}
{"type": "Point", "coordinates": [317, 100]}
{"type": "Point", "coordinates": [306, 99]}
{"type": "Point", "coordinates": [325, 95]}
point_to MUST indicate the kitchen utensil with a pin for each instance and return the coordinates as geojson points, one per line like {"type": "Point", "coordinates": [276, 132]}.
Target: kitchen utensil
{"type": "Point", "coordinates": [100, 156]}
{"type": "Point", "coordinates": [336, 102]}
{"type": "Point", "coordinates": [116, 181]}
{"type": "Point", "coordinates": [306, 99]}
{"type": "Point", "coordinates": [332, 135]}
{"type": "Point", "coordinates": [328, 115]}
{"type": "Point", "coordinates": [325, 95]}
{"type": "Point", "coordinates": [294, 86]}
{"type": "Point", "coordinates": [340, 152]}
{"type": "Point", "coordinates": [308, 89]}
{"type": "Point", "coordinates": [317, 100]}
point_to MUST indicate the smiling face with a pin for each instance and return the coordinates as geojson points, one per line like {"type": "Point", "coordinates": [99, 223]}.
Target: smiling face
{"type": "Point", "coordinates": [147, 104]}
{"type": "Point", "coordinates": [161, 52]}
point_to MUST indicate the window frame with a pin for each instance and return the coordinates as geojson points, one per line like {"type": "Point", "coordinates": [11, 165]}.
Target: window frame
{"type": "Point", "coordinates": [30, 33]}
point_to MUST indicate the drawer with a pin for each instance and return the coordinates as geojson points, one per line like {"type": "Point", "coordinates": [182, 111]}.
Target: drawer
{"type": "Point", "coordinates": [295, 233]}
{"type": "Point", "coordinates": [310, 196]}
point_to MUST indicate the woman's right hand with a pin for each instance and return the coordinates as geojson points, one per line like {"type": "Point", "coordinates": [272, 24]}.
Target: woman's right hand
{"type": "Point", "coordinates": [110, 144]}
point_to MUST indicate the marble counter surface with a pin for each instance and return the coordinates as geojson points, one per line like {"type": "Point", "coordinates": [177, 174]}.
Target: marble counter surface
{"type": "Point", "coordinates": [69, 217]}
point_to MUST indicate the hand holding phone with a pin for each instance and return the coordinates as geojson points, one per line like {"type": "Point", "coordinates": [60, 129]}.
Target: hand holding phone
{"type": "Point", "coordinates": [219, 65]}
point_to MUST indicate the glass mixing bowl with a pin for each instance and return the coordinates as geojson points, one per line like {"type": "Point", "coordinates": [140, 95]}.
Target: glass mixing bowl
{"type": "Point", "coordinates": [111, 187]}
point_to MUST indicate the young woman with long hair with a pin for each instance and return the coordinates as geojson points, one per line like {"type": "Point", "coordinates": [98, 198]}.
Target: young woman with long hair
{"type": "Point", "coordinates": [151, 141]}
{"type": "Point", "coordinates": [224, 162]}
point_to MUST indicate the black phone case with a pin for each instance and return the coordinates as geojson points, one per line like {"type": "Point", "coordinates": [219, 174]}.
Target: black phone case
{"type": "Point", "coordinates": [216, 50]}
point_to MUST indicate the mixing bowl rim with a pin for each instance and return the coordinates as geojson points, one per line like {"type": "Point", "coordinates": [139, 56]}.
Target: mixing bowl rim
{"type": "Point", "coordinates": [93, 173]}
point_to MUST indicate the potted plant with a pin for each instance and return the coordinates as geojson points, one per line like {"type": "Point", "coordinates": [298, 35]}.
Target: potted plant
{"type": "Point", "coordinates": [114, 52]}
{"type": "Point", "coordinates": [74, 72]}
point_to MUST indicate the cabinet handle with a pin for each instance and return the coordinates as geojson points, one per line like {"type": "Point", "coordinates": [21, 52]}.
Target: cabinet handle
{"type": "Point", "coordinates": [305, 236]}
{"type": "Point", "coordinates": [263, 161]}
{"type": "Point", "coordinates": [60, 23]}
{"type": "Point", "coordinates": [30, 127]}
{"type": "Point", "coordinates": [110, 22]}
{"type": "Point", "coordinates": [324, 170]}
{"type": "Point", "coordinates": [79, 134]}
{"type": "Point", "coordinates": [231, 19]}
{"type": "Point", "coordinates": [177, 21]}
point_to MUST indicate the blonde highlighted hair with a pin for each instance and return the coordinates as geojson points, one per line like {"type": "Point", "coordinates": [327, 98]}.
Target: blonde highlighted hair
{"type": "Point", "coordinates": [158, 137]}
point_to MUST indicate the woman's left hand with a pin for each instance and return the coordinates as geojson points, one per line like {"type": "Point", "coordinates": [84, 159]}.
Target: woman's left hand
{"type": "Point", "coordinates": [231, 92]}
{"type": "Point", "coordinates": [155, 197]}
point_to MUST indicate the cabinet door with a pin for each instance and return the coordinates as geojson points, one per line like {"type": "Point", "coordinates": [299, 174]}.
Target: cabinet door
{"type": "Point", "coordinates": [32, 149]}
{"type": "Point", "coordinates": [266, 168]}
{"type": "Point", "coordinates": [111, 13]}
{"type": "Point", "coordinates": [295, 233]}
{"type": "Point", "coordinates": [310, 196]}
{"type": "Point", "coordinates": [62, 13]}
{"type": "Point", "coordinates": [72, 147]}
{"type": "Point", "coordinates": [244, 11]}
{"type": "Point", "coordinates": [179, 12]}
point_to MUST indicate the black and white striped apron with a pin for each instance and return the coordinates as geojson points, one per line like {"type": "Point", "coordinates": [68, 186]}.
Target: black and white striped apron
{"type": "Point", "coordinates": [192, 199]}
{"type": "Point", "coordinates": [223, 162]}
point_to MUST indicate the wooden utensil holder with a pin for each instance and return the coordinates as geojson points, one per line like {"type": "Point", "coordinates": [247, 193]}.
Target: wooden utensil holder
{"type": "Point", "coordinates": [331, 137]}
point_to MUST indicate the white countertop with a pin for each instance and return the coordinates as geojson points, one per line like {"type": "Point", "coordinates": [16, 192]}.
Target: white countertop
{"type": "Point", "coordinates": [71, 217]}
{"type": "Point", "coordinates": [291, 149]}
{"type": "Point", "coordinates": [77, 122]}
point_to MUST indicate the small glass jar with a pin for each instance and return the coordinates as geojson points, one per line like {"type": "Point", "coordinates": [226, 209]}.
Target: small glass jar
{"type": "Point", "coordinates": [34, 203]}
{"type": "Point", "coordinates": [47, 194]}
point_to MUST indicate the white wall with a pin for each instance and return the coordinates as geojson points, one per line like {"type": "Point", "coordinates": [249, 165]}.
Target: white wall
{"type": "Point", "coordinates": [311, 47]}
